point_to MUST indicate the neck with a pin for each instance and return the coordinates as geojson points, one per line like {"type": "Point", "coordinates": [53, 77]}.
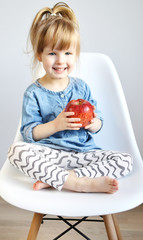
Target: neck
{"type": "Point", "coordinates": [55, 85]}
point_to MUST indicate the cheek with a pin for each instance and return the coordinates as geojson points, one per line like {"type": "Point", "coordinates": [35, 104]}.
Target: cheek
{"type": "Point", "coordinates": [72, 62]}
{"type": "Point", "coordinates": [47, 63]}
{"type": "Point", "coordinates": [71, 66]}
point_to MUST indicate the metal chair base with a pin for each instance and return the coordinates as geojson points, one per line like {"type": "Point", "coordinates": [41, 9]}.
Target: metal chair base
{"type": "Point", "coordinates": [71, 226]}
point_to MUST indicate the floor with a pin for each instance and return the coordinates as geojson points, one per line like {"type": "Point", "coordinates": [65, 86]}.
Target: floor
{"type": "Point", "coordinates": [15, 223]}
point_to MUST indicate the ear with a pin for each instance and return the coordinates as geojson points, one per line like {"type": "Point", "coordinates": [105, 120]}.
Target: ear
{"type": "Point", "coordinates": [39, 58]}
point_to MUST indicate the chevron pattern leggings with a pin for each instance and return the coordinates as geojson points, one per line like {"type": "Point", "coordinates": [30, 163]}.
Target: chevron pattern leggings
{"type": "Point", "coordinates": [51, 166]}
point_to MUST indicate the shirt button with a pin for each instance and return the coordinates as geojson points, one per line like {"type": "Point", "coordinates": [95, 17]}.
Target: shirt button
{"type": "Point", "coordinates": [62, 95]}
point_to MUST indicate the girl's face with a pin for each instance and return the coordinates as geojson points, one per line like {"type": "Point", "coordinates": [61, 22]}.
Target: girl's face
{"type": "Point", "coordinates": [58, 63]}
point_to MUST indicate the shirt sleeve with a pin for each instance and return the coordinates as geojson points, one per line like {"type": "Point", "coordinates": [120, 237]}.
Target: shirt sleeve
{"type": "Point", "coordinates": [31, 116]}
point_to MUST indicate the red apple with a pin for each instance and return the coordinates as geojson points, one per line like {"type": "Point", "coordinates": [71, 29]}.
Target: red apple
{"type": "Point", "coordinates": [82, 109]}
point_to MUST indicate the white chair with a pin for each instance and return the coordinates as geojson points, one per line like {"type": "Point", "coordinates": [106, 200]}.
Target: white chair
{"type": "Point", "coordinates": [117, 134]}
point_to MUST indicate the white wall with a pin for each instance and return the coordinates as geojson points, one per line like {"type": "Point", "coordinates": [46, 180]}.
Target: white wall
{"type": "Point", "coordinates": [112, 27]}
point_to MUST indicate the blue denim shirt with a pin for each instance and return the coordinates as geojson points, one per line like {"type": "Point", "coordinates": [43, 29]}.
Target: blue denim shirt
{"type": "Point", "coordinates": [41, 105]}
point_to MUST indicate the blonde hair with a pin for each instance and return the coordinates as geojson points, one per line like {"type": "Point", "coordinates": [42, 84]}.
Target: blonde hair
{"type": "Point", "coordinates": [56, 27]}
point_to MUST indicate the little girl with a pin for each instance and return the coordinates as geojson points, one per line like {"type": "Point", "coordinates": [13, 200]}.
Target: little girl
{"type": "Point", "coordinates": [56, 150]}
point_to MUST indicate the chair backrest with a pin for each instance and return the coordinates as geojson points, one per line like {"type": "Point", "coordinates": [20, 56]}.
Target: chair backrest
{"type": "Point", "coordinates": [100, 74]}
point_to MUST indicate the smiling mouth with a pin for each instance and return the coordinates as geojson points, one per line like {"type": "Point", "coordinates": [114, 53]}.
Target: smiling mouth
{"type": "Point", "coordinates": [60, 70]}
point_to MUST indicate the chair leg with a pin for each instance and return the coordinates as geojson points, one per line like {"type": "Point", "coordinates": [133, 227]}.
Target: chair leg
{"type": "Point", "coordinates": [111, 227]}
{"type": "Point", "coordinates": [117, 227]}
{"type": "Point", "coordinates": [35, 225]}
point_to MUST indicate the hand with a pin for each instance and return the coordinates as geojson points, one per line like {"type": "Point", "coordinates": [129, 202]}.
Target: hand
{"type": "Point", "coordinates": [94, 125]}
{"type": "Point", "coordinates": [62, 122]}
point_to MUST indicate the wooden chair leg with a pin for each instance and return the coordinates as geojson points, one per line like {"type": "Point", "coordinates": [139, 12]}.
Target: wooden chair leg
{"type": "Point", "coordinates": [117, 227]}
{"type": "Point", "coordinates": [35, 225]}
{"type": "Point", "coordinates": [110, 228]}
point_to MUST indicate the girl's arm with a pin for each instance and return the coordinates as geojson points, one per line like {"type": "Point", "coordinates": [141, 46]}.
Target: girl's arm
{"type": "Point", "coordinates": [62, 122]}
{"type": "Point", "coordinates": [34, 129]}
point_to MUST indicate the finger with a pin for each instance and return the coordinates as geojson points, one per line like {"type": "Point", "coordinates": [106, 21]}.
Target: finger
{"type": "Point", "coordinates": [74, 125]}
{"type": "Point", "coordinates": [70, 120]}
{"type": "Point", "coordinates": [67, 114]}
{"type": "Point", "coordinates": [88, 126]}
{"type": "Point", "coordinates": [74, 129]}
{"type": "Point", "coordinates": [92, 121]}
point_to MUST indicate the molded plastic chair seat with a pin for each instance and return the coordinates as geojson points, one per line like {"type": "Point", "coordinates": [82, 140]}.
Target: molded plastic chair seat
{"type": "Point", "coordinates": [117, 134]}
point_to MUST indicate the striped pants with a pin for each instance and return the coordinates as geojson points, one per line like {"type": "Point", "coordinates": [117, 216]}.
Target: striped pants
{"type": "Point", "coordinates": [52, 166]}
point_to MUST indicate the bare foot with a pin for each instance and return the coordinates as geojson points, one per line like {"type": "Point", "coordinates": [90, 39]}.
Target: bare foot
{"type": "Point", "coordinates": [103, 184]}
{"type": "Point", "coordinates": [40, 185]}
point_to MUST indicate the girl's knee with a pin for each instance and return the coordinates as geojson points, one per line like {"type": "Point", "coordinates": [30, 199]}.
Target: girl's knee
{"type": "Point", "coordinates": [130, 159]}
{"type": "Point", "coordinates": [14, 150]}
{"type": "Point", "coordinates": [123, 163]}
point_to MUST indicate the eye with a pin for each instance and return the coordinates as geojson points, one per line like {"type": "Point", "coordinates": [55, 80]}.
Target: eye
{"type": "Point", "coordinates": [68, 53]}
{"type": "Point", "coordinates": [52, 54]}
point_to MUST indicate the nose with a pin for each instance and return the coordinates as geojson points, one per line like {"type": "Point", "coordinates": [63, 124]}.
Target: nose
{"type": "Point", "coordinates": [60, 58]}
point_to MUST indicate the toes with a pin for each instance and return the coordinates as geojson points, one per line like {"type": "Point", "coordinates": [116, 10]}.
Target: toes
{"type": "Point", "coordinates": [113, 183]}
{"type": "Point", "coordinates": [36, 185]}
{"type": "Point", "coordinates": [40, 185]}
